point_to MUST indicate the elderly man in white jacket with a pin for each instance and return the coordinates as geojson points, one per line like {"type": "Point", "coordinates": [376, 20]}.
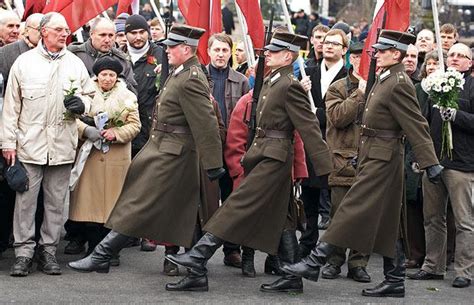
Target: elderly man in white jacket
{"type": "Point", "coordinates": [47, 89]}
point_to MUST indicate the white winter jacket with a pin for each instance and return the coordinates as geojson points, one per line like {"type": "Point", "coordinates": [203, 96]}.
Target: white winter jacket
{"type": "Point", "coordinates": [33, 112]}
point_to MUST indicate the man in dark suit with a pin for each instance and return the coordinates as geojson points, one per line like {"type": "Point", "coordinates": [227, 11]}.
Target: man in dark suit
{"type": "Point", "coordinates": [322, 74]}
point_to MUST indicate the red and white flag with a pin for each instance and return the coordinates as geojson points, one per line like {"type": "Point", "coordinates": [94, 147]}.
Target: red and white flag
{"type": "Point", "coordinates": [253, 17]}
{"type": "Point", "coordinates": [128, 6]}
{"type": "Point", "coordinates": [397, 17]}
{"type": "Point", "coordinates": [205, 14]}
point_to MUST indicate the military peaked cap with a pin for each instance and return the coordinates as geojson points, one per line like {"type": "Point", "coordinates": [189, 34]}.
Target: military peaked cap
{"type": "Point", "coordinates": [282, 40]}
{"type": "Point", "coordinates": [183, 34]}
{"type": "Point", "coordinates": [394, 39]}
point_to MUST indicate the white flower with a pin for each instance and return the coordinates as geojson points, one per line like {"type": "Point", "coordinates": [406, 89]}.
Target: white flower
{"type": "Point", "coordinates": [447, 88]}
{"type": "Point", "coordinates": [451, 81]}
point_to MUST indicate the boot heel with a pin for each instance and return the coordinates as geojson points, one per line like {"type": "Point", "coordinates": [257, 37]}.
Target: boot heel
{"type": "Point", "coordinates": [103, 270]}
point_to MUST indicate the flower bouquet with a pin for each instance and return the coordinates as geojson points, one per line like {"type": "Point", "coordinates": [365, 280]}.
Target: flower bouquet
{"type": "Point", "coordinates": [68, 115]}
{"type": "Point", "coordinates": [443, 88]}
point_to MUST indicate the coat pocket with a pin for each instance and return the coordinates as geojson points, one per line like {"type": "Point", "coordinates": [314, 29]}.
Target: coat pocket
{"type": "Point", "coordinates": [342, 162]}
{"type": "Point", "coordinates": [275, 153]}
{"type": "Point", "coordinates": [380, 153]}
{"type": "Point", "coordinates": [171, 148]}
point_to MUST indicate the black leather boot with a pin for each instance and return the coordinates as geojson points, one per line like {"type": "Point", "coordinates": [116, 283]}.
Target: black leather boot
{"type": "Point", "coordinates": [273, 265]}
{"type": "Point", "coordinates": [288, 253]}
{"type": "Point", "coordinates": [99, 259]}
{"type": "Point", "coordinates": [394, 271]}
{"type": "Point", "coordinates": [196, 258]}
{"type": "Point", "coordinates": [189, 283]}
{"type": "Point", "coordinates": [248, 267]}
{"type": "Point", "coordinates": [47, 262]}
{"type": "Point", "coordinates": [310, 266]}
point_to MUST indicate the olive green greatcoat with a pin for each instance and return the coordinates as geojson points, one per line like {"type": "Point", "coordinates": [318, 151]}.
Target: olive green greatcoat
{"type": "Point", "coordinates": [368, 219]}
{"type": "Point", "coordinates": [161, 194]}
{"type": "Point", "coordinates": [255, 214]}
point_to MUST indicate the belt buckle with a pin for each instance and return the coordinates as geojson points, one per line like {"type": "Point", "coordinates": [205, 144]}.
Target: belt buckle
{"type": "Point", "coordinates": [260, 133]}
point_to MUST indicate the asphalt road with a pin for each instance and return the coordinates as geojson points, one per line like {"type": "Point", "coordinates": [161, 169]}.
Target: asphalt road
{"type": "Point", "coordinates": [139, 280]}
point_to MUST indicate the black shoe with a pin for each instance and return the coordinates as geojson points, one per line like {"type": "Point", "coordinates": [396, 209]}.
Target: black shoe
{"type": "Point", "coordinates": [286, 283]}
{"type": "Point", "coordinates": [75, 246]}
{"type": "Point", "coordinates": [358, 274]}
{"type": "Point", "coordinates": [330, 272]}
{"type": "Point", "coordinates": [324, 223]}
{"type": "Point", "coordinates": [47, 262]}
{"type": "Point", "coordinates": [115, 260]}
{"type": "Point", "coordinates": [170, 269]}
{"type": "Point", "coordinates": [423, 275]}
{"type": "Point", "coordinates": [189, 283]}
{"type": "Point", "coordinates": [303, 250]}
{"type": "Point", "coordinates": [461, 282]}
{"type": "Point", "coordinates": [233, 260]}
{"type": "Point", "coordinates": [248, 266]}
{"type": "Point", "coordinates": [273, 265]}
{"type": "Point", "coordinates": [22, 266]}
{"type": "Point", "coordinates": [386, 289]}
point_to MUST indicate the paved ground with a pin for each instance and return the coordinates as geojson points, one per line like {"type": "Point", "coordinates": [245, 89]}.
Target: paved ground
{"type": "Point", "coordinates": [139, 280]}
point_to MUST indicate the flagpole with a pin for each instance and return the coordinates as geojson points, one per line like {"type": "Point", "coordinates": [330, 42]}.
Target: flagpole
{"type": "Point", "coordinates": [434, 6]}
{"type": "Point", "coordinates": [300, 60]}
{"type": "Point", "coordinates": [247, 42]}
{"type": "Point", "coordinates": [158, 15]}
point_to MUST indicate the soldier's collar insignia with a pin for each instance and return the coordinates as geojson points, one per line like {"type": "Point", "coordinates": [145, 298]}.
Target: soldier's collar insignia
{"type": "Point", "coordinates": [178, 69]}
{"type": "Point", "coordinates": [384, 75]}
{"type": "Point", "coordinates": [275, 78]}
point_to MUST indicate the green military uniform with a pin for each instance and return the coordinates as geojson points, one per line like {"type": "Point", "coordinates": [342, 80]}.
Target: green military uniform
{"type": "Point", "coordinates": [255, 214]}
{"type": "Point", "coordinates": [343, 101]}
{"type": "Point", "coordinates": [161, 194]}
{"type": "Point", "coordinates": [368, 219]}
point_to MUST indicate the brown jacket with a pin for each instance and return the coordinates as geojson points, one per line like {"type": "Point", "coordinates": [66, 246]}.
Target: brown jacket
{"type": "Point", "coordinates": [343, 100]}
{"type": "Point", "coordinates": [161, 194]}
{"type": "Point", "coordinates": [368, 219]}
{"type": "Point", "coordinates": [255, 214]}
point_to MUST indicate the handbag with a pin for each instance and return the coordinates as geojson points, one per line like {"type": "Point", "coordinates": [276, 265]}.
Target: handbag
{"type": "Point", "coordinates": [299, 205]}
{"type": "Point", "coordinates": [17, 177]}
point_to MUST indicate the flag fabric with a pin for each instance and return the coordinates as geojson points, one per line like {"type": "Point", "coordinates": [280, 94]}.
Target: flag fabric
{"type": "Point", "coordinates": [397, 17]}
{"type": "Point", "coordinates": [253, 17]}
{"type": "Point", "coordinates": [78, 12]}
{"type": "Point", "coordinates": [205, 14]}
{"type": "Point", "coordinates": [128, 6]}
{"type": "Point", "coordinates": [33, 7]}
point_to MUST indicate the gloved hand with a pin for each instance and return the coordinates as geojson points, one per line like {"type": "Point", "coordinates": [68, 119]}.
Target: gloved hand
{"type": "Point", "coordinates": [434, 173]}
{"type": "Point", "coordinates": [92, 133]}
{"type": "Point", "coordinates": [215, 173]}
{"type": "Point", "coordinates": [447, 114]}
{"type": "Point", "coordinates": [88, 120]}
{"type": "Point", "coordinates": [74, 104]}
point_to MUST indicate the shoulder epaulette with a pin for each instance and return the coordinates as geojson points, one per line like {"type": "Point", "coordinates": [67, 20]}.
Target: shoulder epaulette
{"type": "Point", "coordinates": [402, 77]}
{"type": "Point", "coordinates": [194, 72]}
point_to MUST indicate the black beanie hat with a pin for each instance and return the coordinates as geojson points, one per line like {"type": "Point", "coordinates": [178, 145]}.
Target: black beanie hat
{"type": "Point", "coordinates": [107, 63]}
{"type": "Point", "coordinates": [136, 22]}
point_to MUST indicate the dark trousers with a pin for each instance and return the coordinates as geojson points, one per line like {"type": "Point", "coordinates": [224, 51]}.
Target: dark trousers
{"type": "Point", "coordinates": [325, 203]}
{"type": "Point", "coordinates": [225, 186]}
{"type": "Point", "coordinates": [416, 231]}
{"type": "Point", "coordinates": [310, 197]}
{"type": "Point", "coordinates": [394, 268]}
{"type": "Point", "coordinates": [94, 233]}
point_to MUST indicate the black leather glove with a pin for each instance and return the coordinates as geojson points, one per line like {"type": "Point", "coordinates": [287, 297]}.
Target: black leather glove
{"type": "Point", "coordinates": [215, 173]}
{"type": "Point", "coordinates": [74, 104]}
{"type": "Point", "coordinates": [434, 173]}
{"type": "Point", "coordinates": [88, 120]}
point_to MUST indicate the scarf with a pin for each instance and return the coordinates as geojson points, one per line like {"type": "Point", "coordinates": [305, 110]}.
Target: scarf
{"type": "Point", "coordinates": [327, 76]}
{"type": "Point", "coordinates": [136, 54]}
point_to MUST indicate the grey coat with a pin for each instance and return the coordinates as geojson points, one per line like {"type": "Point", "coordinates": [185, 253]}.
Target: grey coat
{"type": "Point", "coordinates": [8, 55]}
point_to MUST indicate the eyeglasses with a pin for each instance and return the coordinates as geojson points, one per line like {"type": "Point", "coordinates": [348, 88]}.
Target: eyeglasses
{"type": "Point", "coordinates": [34, 28]}
{"type": "Point", "coordinates": [60, 30]}
{"type": "Point", "coordinates": [332, 43]}
{"type": "Point", "coordinates": [458, 55]}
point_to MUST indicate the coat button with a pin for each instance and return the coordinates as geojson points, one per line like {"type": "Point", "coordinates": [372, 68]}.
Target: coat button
{"type": "Point", "coordinates": [366, 109]}
{"type": "Point", "coordinates": [254, 144]}
{"type": "Point", "coordinates": [264, 97]}
{"type": "Point", "coordinates": [153, 136]}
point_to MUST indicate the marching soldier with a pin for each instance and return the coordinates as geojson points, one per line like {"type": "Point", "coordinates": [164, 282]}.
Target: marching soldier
{"type": "Point", "coordinates": [255, 214]}
{"type": "Point", "coordinates": [372, 207]}
{"type": "Point", "coordinates": [161, 194]}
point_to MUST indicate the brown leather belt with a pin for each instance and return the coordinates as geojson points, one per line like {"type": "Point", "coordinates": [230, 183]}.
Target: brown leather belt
{"type": "Point", "coordinates": [171, 128]}
{"type": "Point", "coordinates": [381, 133]}
{"type": "Point", "coordinates": [274, 134]}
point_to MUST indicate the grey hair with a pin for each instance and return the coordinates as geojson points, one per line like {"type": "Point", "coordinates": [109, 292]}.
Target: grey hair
{"type": "Point", "coordinates": [47, 19]}
{"type": "Point", "coordinates": [95, 23]}
{"type": "Point", "coordinates": [33, 17]}
{"type": "Point", "coordinates": [8, 15]}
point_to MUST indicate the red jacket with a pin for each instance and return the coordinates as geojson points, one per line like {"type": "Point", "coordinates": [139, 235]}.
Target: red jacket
{"type": "Point", "coordinates": [236, 142]}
